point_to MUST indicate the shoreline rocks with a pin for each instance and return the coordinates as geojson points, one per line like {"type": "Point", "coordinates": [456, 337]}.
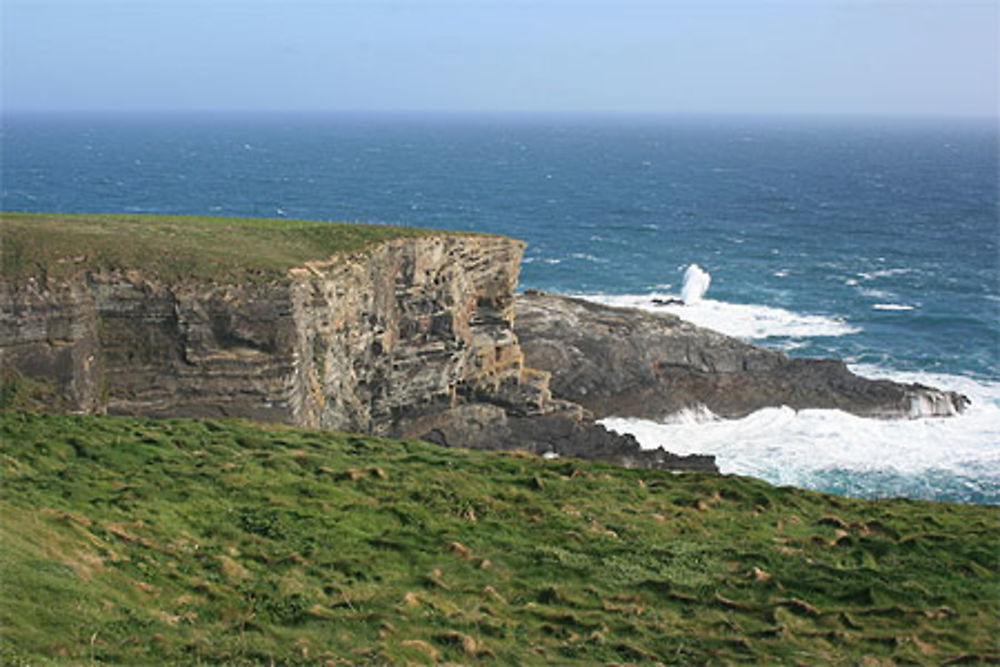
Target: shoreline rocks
{"type": "Point", "coordinates": [485, 426]}
{"type": "Point", "coordinates": [631, 363]}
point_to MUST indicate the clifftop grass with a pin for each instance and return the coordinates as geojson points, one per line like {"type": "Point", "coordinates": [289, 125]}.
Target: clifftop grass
{"type": "Point", "coordinates": [134, 541]}
{"type": "Point", "coordinates": [172, 248]}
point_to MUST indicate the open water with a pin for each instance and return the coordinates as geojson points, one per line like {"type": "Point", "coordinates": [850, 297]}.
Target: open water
{"type": "Point", "coordinates": [870, 240]}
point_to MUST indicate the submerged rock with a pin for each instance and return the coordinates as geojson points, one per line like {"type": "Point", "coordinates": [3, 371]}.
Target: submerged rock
{"type": "Point", "coordinates": [631, 363]}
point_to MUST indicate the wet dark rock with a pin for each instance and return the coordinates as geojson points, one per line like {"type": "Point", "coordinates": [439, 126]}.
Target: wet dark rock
{"type": "Point", "coordinates": [480, 426]}
{"type": "Point", "coordinates": [632, 363]}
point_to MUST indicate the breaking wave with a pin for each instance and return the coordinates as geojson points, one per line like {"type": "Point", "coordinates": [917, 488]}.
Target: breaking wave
{"type": "Point", "coordinates": [746, 321]}
{"type": "Point", "coordinates": [953, 459]}
{"type": "Point", "coordinates": [696, 282]}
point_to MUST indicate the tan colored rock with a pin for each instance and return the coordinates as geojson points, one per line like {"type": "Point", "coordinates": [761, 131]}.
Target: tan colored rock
{"type": "Point", "coordinates": [356, 343]}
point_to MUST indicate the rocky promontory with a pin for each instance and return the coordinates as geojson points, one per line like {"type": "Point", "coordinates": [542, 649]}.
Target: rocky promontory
{"type": "Point", "coordinates": [410, 335]}
{"type": "Point", "coordinates": [382, 331]}
{"type": "Point", "coordinates": [632, 363]}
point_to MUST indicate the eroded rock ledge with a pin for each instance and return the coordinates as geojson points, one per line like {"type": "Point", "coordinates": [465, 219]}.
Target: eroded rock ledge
{"type": "Point", "coordinates": [632, 363]}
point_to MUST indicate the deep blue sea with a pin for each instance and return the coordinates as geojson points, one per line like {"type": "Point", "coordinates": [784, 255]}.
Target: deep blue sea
{"type": "Point", "coordinates": [870, 240]}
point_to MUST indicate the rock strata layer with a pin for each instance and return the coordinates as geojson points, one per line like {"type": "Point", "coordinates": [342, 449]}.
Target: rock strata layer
{"type": "Point", "coordinates": [413, 338]}
{"type": "Point", "coordinates": [632, 363]}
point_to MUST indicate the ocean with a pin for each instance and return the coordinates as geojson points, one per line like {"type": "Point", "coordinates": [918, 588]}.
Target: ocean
{"type": "Point", "coordinates": [872, 240]}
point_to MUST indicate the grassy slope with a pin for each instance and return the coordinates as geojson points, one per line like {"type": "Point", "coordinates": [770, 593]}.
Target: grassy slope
{"type": "Point", "coordinates": [173, 248]}
{"type": "Point", "coordinates": [141, 541]}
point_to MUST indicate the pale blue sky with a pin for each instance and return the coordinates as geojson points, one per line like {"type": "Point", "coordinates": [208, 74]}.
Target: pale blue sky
{"type": "Point", "coordinates": [713, 56]}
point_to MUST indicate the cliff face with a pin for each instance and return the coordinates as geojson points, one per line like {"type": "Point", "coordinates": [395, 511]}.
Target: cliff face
{"type": "Point", "coordinates": [361, 342]}
{"type": "Point", "coordinates": [414, 338]}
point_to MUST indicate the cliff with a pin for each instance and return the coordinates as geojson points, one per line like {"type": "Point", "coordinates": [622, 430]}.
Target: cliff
{"type": "Point", "coordinates": [408, 337]}
{"type": "Point", "coordinates": [355, 342]}
{"type": "Point", "coordinates": [631, 363]}
{"type": "Point", "coordinates": [377, 330]}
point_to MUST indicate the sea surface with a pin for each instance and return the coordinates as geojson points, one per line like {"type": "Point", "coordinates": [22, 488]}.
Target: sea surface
{"type": "Point", "coordinates": [872, 240]}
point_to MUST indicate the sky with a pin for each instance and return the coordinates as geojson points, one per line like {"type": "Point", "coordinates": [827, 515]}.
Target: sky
{"type": "Point", "coordinates": [902, 57]}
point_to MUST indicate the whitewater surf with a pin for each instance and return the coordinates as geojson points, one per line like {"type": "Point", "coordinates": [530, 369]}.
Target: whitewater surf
{"type": "Point", "coordinates": [955, 458]}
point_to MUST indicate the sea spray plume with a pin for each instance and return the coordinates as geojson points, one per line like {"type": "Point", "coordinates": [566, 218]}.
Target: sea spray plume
{"type": "Point", "coordinates": [696, 282]}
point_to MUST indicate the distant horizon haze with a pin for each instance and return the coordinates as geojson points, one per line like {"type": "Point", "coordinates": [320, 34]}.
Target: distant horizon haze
{"type": "Point", "coordinates": [509, 115]}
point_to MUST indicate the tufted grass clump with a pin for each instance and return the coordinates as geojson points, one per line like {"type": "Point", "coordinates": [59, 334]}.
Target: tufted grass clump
{"type": "Point", "coordinates": [137, 541]}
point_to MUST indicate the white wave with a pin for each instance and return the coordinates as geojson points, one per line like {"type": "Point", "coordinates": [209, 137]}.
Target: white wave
{"type": "Point", "coordinates": [791, 344]}
{"type": "Point", "coordinates": [884, 273]}
{"type": "Point", "coordinates": [749, 322]}
{"type": "Point", "coordinates": [892, 306]}
{"type": "Point", "coordinates": [696, 282]}
{"type": "Point", "coordinates": [746, 321]}
{"type": "Point", "coordinates": [984, 390]}
{"type": "Point", "coordinates": [699, 414]}
{"type": "Point", "coordinates": [588, 257]}
{"type": "Point", "coordinates": [803, 448]}
{"type": "Point", "coordinates": [875, 293]}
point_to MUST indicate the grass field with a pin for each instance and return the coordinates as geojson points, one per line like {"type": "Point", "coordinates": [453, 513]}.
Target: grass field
{"type": "Point", "coordinates": [135, 541]}
{"type": "Point", "coordinates": [169, 248]}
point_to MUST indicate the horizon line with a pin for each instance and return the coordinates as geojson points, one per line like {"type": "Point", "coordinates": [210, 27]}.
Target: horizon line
{"type": "Point", "coordinates": [522, 113]}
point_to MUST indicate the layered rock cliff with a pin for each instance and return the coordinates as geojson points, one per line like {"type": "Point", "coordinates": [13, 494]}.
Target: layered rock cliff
{"type": "Point", "coordinates": [356, 342]}
{"type": "Point", "coordinates": [631, 363]}
{"type": "Point", "coordinates": [413, 338]}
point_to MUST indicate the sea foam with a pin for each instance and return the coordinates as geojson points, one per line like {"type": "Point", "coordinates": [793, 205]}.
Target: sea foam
{"type": "Point", "coordinates": [746, 321]}
{"type": "Point", "coordinates": [954, 458]}
{"type": "Point", "coordinates": [892, 306]}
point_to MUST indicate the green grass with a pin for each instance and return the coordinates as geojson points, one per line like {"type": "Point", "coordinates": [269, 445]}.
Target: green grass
{"type": "Point", "coordinates": [170, 248]}
{"type": "Point", "coordinates": [136, 541]}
